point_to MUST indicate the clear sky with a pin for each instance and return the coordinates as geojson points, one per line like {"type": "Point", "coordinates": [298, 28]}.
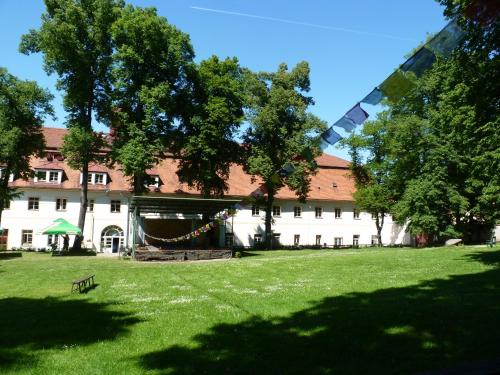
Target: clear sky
{"type": "Point", "coordinates": [351, 46]}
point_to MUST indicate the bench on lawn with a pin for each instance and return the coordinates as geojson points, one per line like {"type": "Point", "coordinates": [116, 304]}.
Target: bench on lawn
{"type": "Point", "coordinates": [85, 282]}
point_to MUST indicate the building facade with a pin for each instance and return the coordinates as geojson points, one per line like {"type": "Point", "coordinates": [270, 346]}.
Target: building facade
{"type": "Point", "coordinates": [329, 218]}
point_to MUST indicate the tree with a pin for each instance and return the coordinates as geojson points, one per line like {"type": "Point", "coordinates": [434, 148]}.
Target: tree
{"type": "Point", "coordinates": [75, 39]}
{"type": "Point", "coordinates": [373, 185]}
{"type": "Point", "coordinates": [281, 130]}
{"type": "Point", "coordinates": [151, 65]}
{"type": "Point", "coordinates": [209, 148]}
{"type": "Point", "coordinates": [23, 107]}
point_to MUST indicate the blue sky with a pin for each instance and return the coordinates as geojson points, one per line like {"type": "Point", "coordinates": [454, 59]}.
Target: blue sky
{"type": "Point", "coordinates": [351, 46]}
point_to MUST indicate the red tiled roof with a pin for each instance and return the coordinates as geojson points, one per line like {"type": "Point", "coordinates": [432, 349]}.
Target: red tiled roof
{"type": "Point", "coordinates": [331, 170]}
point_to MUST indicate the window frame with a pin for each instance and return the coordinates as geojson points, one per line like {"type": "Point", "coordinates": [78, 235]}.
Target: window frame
{"type": "Point", "coordinates": [278, 210]}
{"type": "Point", "coordinates": [356, 214]}
{"type": "Point", "coordinates": [318, 240]}
{"type": "Point", "coordinates": [61, 202]}
{"type": "Point", "coordinates": [295, 210]}
{"type": "Point", "coordinates": [255, 210]}
{"type": "Point", "coordinates": [320, 210]}
{"type": "Point", "coordinates": [355, 239]}
{"type": "Point", "coordinates": [296, 240]}
{"type": "Point", "coordinates": [336, 243]}
{"type": "Point", "coordinates": [27, 232]}
{"type": "Point", "coordinates": [339, 211]}
{"type": "Point", "coordinates": [113, 203]}
{"type": "Point", "coordinates": [32, 201]}
{"type": "Point", "coordinates": [90, 205]}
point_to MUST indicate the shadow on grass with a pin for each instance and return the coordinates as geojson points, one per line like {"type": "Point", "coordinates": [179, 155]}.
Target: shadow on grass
{"type": "Point", "coordinates": [431, 325]}
{"type": "Point", "coordinates": [29, 325]}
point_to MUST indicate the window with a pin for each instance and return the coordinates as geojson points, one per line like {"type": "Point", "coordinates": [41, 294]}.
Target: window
{"type": "Point", "coordinates": [90, 178]}
{"type": "Point", "coordinates": [276, 210]}
{"type": "Point", "coordinates": [355, 214]}
{"type": "Point", "coordinates": [27, 237]}
{"type": "Point", "coordinates": [229, 240]}
{"type": "Point", "coordinates": [152, 180]}
{"type": "Point", "coordinates": [374, 239]}
{"type": "Point", "coordinates": [99, 178]}
{"type": "Point", "coordinates": [61, 204]}
{"type": "Point", "coordinates": [374, 216]}
{"type": "Point", "coordinates": [52, 239]}
{"type": "Point", "coordinates": [257, 238]}
{"type": "Point", "coordinates": [33, 203]}
{"type": "Point", "coordinates": [115, 206]}
{"type": "Point", "coordinates": [297, 211]}
{"type": "Point", "coordinates": [338, 213]}
{"type": "Point", "coordinates": [337, 241]}
{"type": "Point", "coordinates": [255, 210]}
{"type": "Point", "coordinates": [90, 207]}
{"type": "Point", "coordinates": [53, 176]}
{"type": "Point", "coordinates": [355, 240]}
{"type": "Point", "coordinates": [296, 239]}
{"type": "Point", "coordinates": [318, 240]}
{"type": "Point", "coordinates": [41, 176]}
{"type": "Point", "coordinates": [318, 212]}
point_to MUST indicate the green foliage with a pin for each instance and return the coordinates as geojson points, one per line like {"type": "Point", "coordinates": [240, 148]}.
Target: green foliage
{"type": "Point", "coordinates": [443, 143]}
{"type": "Point", "coordinates": [208, 148]}
{"type": "Point", "coordinates": [23, 107]}
{"type": "Point", "coordinates": [82, 147]}
{"type": "Point", "coordinates": [150, 78]}
{"type": "Point", "coordinates": [280, 130]}
{"type": "Point", "coordinates": [75, 39]}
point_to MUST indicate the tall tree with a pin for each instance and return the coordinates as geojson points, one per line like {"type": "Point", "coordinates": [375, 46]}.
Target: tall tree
{"type": "Point", "coordinates": [23, 107]}
{"type": "Point", "coordinates": [281, 129]}
{"type": "Point", "coordinates": [150, 78]}
{"type": "Point", "coordinates": [373, 184]}
{"type": "Point", "coordinates": [75, 39]}
{"type": "Point", "coordinates": [209, 147]}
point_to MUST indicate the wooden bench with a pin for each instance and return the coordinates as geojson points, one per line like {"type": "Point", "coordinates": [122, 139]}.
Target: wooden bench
{"type": "Point", "coordinates": [85, 282]}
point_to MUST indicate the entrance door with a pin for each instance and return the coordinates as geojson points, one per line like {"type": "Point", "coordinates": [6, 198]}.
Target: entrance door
{"type": "Point", "coordinates": [115, 245]}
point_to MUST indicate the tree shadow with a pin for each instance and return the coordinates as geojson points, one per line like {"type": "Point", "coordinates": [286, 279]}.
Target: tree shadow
{"type": "Point", "coordinates": [432, 325]}
{"type": "Point", "coordinates": [30, 325]}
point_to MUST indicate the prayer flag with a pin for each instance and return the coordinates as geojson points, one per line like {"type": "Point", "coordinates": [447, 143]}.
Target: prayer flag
{"type": "Point", "coordinates": [331, 136]}
{"type": "Point", "coordinates": [447, 39]}
{"type": "Point", "coordinates": [275, 179]}
{"type": "Point", "coordinates": [345, 123]}
{"type": "Point", "coordinates": [396, 86]}
{"type": "Point", "coordinates": [419, 62]}
{"type": "Point", "coordinates": [357, 114]}
{"type": "Point", "coordinates": [373, 97]}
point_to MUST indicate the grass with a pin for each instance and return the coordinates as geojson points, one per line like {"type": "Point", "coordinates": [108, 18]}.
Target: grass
{"type": "Point", "coordinates": [283, 312]}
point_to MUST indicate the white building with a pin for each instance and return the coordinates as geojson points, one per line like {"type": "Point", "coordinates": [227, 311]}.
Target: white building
{"type": "Point", "coordinates": [328, 218]}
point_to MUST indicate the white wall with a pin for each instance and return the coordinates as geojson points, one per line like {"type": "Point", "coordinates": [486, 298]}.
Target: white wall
{"type": "Point", "coordinates": [308, 226]}
{"type": "Point", "coordinates": [18, 217]}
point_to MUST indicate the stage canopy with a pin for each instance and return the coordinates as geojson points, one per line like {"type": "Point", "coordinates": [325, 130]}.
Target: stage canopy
{"type": "Point", "coordinates": [178, 205]}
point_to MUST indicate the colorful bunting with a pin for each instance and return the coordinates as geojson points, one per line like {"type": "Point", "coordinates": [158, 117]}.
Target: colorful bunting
{"type": "Point", "coordinates": [373, 97]}
{"type": "Point", "coordinates": [345, 123]}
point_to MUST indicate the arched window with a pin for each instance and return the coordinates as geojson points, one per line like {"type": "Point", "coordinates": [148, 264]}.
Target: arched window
{"type": "Point", "coordinates": [112, 239]}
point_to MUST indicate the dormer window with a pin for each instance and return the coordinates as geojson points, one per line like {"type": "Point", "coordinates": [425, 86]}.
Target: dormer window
{"type": "Point", "coordinates": [152, 180]}
{"type": "Point", "coordinates": [2, 172]}
{"type": "Point", "coordinates": [96, 178]}
{"type": "Point", "coordinates": [51, 176]}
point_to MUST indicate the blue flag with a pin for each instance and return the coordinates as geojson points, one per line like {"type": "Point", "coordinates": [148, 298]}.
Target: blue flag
{"type": "Point", "coordinates": [374, 97]}
{"type": "Point", "coordinates": [357, 114]}
{"type": "Point", "coordinates": [345, 123]}
{"type": "Point", "coordinates": [331, 136]}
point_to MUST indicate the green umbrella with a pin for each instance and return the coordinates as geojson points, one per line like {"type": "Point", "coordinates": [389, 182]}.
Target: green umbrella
{"type": "Point", "coordinates": [61, 226]}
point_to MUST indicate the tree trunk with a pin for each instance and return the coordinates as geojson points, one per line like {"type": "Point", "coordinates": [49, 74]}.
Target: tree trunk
{"type": "Point", "coordinates": [268, 222]}
{"type": "Point", "coordinates": [379, 224]}
{"type": "Point", "coordinates": [77, 244]}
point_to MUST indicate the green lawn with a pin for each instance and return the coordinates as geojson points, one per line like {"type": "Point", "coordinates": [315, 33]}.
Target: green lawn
{"type": "Point", "coordinates": [283, 312]}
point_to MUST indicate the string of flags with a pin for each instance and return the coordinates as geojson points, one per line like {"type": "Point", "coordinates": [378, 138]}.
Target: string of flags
{"type": "Point", "coordinates": [483, 12]}
{"type": "Point", "coordinates": [394, 87]}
